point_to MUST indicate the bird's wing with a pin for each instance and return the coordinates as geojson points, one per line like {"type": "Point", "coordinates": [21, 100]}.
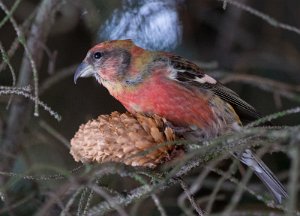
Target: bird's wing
{"type": "Point", "coordinates": [190, 74]}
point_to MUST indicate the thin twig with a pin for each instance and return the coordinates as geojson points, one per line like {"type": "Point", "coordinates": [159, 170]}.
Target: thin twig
{"type": "Point", "coordinates": [80, 208]}
{"type": "Point", "coordinates": [26, 89]}
{"type": "Point", "coordinates": [190, 197]}
{"type": "Point", "coordinates": [158, 204]}
{"type": "Point", "coordinates": [41, 177]}
{"type": "Point", "coordinates": [88, 203]}
{"type": "Point", "coordinates": [57, 77]}
{"type": "Point", "coordinates": [12, 71]}
{"type": "Point", "coordinates": [17, 203]}
{"type": "Point", "coordinates": [27, 95]}
{"type": "Point", "coordinates": [268, 202]}
{"type": "Point", "coordinates": [31, 62]}
{"type": "Point", "coordinates": [29, 55]}
{"type": "Point", "coordinates": [218, 185]}
{"type": "Point", "coordinates": [198, 182]}
{"type": "Point", "coordinates": [71, 201]}
{"type": "Point", "coordinates": [54, 133]}
{"type": "Point", "coordinates": [109, 199]}
{"type": "Point", "coordinates": [10, 13]}
{"type": "Point", "coordinates": [15, 44]}
{"type": "Point", "coordinates": [273, 116]}
{"type": "Point", "coordinates": [263, 16]}
{"type": "Point", "coordinates": [294, 153]}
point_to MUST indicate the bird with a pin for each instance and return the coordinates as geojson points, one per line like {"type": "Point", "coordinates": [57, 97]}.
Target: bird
{"type": "Point", "coordinates": [196, 105]}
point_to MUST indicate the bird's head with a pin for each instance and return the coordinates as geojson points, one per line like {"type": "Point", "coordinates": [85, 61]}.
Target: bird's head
{"type": "Point", "coordinates": [111, 61]}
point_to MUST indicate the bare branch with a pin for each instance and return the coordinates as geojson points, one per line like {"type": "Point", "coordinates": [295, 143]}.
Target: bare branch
{"type": "Point", "coordinates": [265, 17]}
{"type": "Point", "coordinates": [32, 59]}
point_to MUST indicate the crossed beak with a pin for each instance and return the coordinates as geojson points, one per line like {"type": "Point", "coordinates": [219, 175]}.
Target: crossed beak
{"type": "Point", "coordinates": [83, 70]}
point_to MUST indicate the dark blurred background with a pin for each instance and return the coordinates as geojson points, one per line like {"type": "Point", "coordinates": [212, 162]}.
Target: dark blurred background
{"type": "Point", "coordinates": [244, 51]}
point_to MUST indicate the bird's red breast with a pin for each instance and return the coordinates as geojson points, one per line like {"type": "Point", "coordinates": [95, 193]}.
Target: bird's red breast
{"type": "Point", "coordinates": [164, 97]}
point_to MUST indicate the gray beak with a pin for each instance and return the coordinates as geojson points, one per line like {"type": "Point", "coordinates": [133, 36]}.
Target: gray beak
{"type": "Point", "coordinates": [83, 70]}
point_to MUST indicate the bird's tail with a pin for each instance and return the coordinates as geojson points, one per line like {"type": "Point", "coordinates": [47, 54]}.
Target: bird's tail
{"type": "Point", "coordinates": [265, 174]}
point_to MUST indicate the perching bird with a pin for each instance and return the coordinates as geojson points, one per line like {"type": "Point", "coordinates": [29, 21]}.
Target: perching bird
{"type": "Point", "coordinates": [152, 82]}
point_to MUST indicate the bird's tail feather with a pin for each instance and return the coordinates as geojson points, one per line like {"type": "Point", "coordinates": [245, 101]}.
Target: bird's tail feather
{"type": "Point", "coordinates": [265, 174]}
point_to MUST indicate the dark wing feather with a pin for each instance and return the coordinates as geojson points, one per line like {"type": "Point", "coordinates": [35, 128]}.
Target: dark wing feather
{"type": "Point", "coordinates": [243, 109]}
{"type": "Point", "coordinates": [188, 72]}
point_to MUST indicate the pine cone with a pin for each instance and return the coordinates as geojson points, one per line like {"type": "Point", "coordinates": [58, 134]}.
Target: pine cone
{"type": "Point", "coordinates": [127, 138]}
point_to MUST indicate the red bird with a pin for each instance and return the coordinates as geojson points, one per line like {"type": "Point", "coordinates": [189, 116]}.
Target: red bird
{"type": "Point", "coordinates": [151, 82]}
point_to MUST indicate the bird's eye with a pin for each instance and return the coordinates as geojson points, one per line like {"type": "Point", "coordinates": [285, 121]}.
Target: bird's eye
{"type": "Point", "coordinates": [97, 55]}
